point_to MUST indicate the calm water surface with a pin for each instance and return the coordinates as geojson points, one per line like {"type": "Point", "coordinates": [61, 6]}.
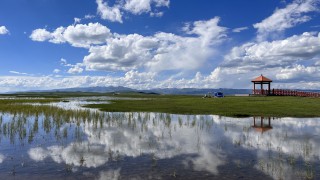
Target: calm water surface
{"type": "Point", "coordinates": [96, 145]}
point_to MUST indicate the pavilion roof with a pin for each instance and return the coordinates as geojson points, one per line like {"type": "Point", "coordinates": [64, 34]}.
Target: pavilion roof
{"type": "Point", "coordinates": [261, 79]}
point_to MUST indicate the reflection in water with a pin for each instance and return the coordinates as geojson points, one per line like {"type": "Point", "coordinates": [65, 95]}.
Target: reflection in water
{"type": "Point", "coordinates": [262, 126]}
{"type": "Point", "coordinates": [1, 158]}
{"type": "Point", "coordinates": [84, 144]}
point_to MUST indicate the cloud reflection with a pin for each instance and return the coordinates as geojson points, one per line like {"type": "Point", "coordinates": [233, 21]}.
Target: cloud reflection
{"type": "Point", "coordinates": [1, 158]}
{"type": "Point", "coordinates": [203, 143]}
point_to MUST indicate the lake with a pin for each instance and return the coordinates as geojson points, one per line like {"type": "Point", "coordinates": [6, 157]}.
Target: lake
{"type": "Point", "coordinates": [89, 144]}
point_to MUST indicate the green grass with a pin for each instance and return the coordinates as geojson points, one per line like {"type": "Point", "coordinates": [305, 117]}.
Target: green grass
{"type": "Point", "coordinates": [177, 104]}
{"type": "Point", "coordinates": [228, 106]}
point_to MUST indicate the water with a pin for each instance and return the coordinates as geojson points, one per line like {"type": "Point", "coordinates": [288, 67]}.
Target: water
{"type": "Point", "coordinates": [96, 145]}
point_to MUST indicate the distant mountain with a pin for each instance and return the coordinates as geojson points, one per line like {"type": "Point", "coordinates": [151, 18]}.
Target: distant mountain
{"type": "Point", "coordinates": [99, 89]}
{"type": "Point", "coordinates": [182, 91]}
{"type": "Point", "coordinates": [195, 91]}
{"type": "Point", "coordinates": [121, 89]}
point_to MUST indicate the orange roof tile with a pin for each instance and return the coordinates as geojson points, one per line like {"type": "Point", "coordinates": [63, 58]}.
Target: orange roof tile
{"type": "Point", "coordinates": [261, 79]}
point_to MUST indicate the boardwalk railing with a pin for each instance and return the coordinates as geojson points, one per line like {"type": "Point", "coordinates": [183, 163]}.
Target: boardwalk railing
{"type": "Point", "coordinates": [286, 92]}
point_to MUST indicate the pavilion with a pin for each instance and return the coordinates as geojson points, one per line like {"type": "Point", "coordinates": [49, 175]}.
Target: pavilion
{"type": "Point", "coordinates": [261, 80]}
{"type": "Point", "coordinates": [262, 127]}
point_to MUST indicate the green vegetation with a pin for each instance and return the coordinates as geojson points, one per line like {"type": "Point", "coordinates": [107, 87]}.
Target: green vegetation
{"type": "Point", "coordinates": [228, 106]}
{"type": "Point", "coordinates": [176, 104]}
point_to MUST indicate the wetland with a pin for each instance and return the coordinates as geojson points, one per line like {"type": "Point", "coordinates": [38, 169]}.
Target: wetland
{"type": "Point", "coordinates": [61, 138]}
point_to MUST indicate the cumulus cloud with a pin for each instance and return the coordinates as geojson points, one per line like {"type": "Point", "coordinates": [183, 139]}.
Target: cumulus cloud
{"type": "Point", "coordinates": [286, 61]}
{"type": "Point", "coordinates": [3, 30]}
{"type": "Point", "coordinates": [162, 51]}
{"type": "Point", "coordinates": [106, 12]}
{"type": "Point", "coordinates": [76, 69]}
{"type": "Point", "coordinates": [78, 35]}
{"type": "Point", "coordinates": [130, 79]}
{"type": "Point", "coordinates": [221, 77]}
{"type": "Point", "coordinates": [136, 7]}
{"type": "Point", "coordinates": [280, 53]}
{"type": "Point", "coordinates": [40, 35]}
{"type": "Point", "coordinates": [299, 73]}
{"type": "Point", "coordinates": [288, 17]}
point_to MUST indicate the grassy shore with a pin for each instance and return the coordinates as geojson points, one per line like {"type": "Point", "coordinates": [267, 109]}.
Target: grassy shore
{"type": "Point", "coordinates": [228, 106]}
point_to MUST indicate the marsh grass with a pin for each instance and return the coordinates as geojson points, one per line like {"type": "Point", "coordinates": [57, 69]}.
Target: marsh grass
{"type": "Point", "coordinates": [228, 106]}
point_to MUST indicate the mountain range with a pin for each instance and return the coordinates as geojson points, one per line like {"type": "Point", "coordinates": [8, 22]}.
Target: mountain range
{"type": "Point", "coordinates": [121, 89]}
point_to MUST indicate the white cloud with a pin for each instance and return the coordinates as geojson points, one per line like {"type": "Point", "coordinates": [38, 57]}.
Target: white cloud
{"type": "Point", "coordinates": [89, 16]}
{"type": "Point", "coordinates": [156, 14]}
{"type": "Point", "coordinates": [237, 30]}
{"type": "Point", "coordinates": [159, 52]}
{"type": "Point", "coordinates": [77, 21]}
{"type": "Point", "coordinates": [136, 7]}
{"type": "Point", "coordinates": [79, 35]}
{"type": "Point", "coordinates": [19, 73]}
{"type": "Point", "coordinates": [76, 69]}
{"type": "Point", "coordinates": [291, 63]}
{"type": "Point", "coordinates": [299, 73]}
{"type": "Point", "coordinates": [221, 77]}
{"type": "Point", "coordinates": [288, 17]}
{"type": "Point", "coordinates": [162, 51]}
{"type": "Point", "coordinates": [40, 35]}
{"type": "Point", "coordinates": [3, 30]}
{"type": "Point", "coordinates": [63, 61]}
{"type": "Point", "coordinates": [121, 53]}
{"type": "Point", "coordinates": [56, 71]}
{"type": "Point", "coordinates": [280, 53]}
{"type": "Point", "coordinates": [161, 3]}
{"type": "Point", "coordinates": [106, 12]}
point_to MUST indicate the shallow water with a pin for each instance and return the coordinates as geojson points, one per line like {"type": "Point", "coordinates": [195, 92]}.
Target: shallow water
{"type": "Point", "coordinates": [157, 146]}
{"type": "Point", "coordinates": [77, 103]}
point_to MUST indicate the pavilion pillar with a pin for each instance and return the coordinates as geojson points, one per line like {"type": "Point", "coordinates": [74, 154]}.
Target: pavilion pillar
{"type": "Point", "coordinates": [262, 88]}
{"type": "Point", "coordinates": [254, 88]}
{"type": "Point", "coordinates": [269, 88]}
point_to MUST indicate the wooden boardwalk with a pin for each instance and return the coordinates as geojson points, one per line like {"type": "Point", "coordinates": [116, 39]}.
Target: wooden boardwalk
{"type": "Point", "coordinates": [286, 92]}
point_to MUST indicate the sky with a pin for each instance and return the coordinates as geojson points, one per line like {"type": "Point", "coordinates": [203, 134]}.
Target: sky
{"type": "Point", "coordinates": [145, 44]}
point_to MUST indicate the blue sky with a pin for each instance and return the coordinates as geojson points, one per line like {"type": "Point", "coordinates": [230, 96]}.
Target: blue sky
{"type": "Point", "coordinates": [145, 44]}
